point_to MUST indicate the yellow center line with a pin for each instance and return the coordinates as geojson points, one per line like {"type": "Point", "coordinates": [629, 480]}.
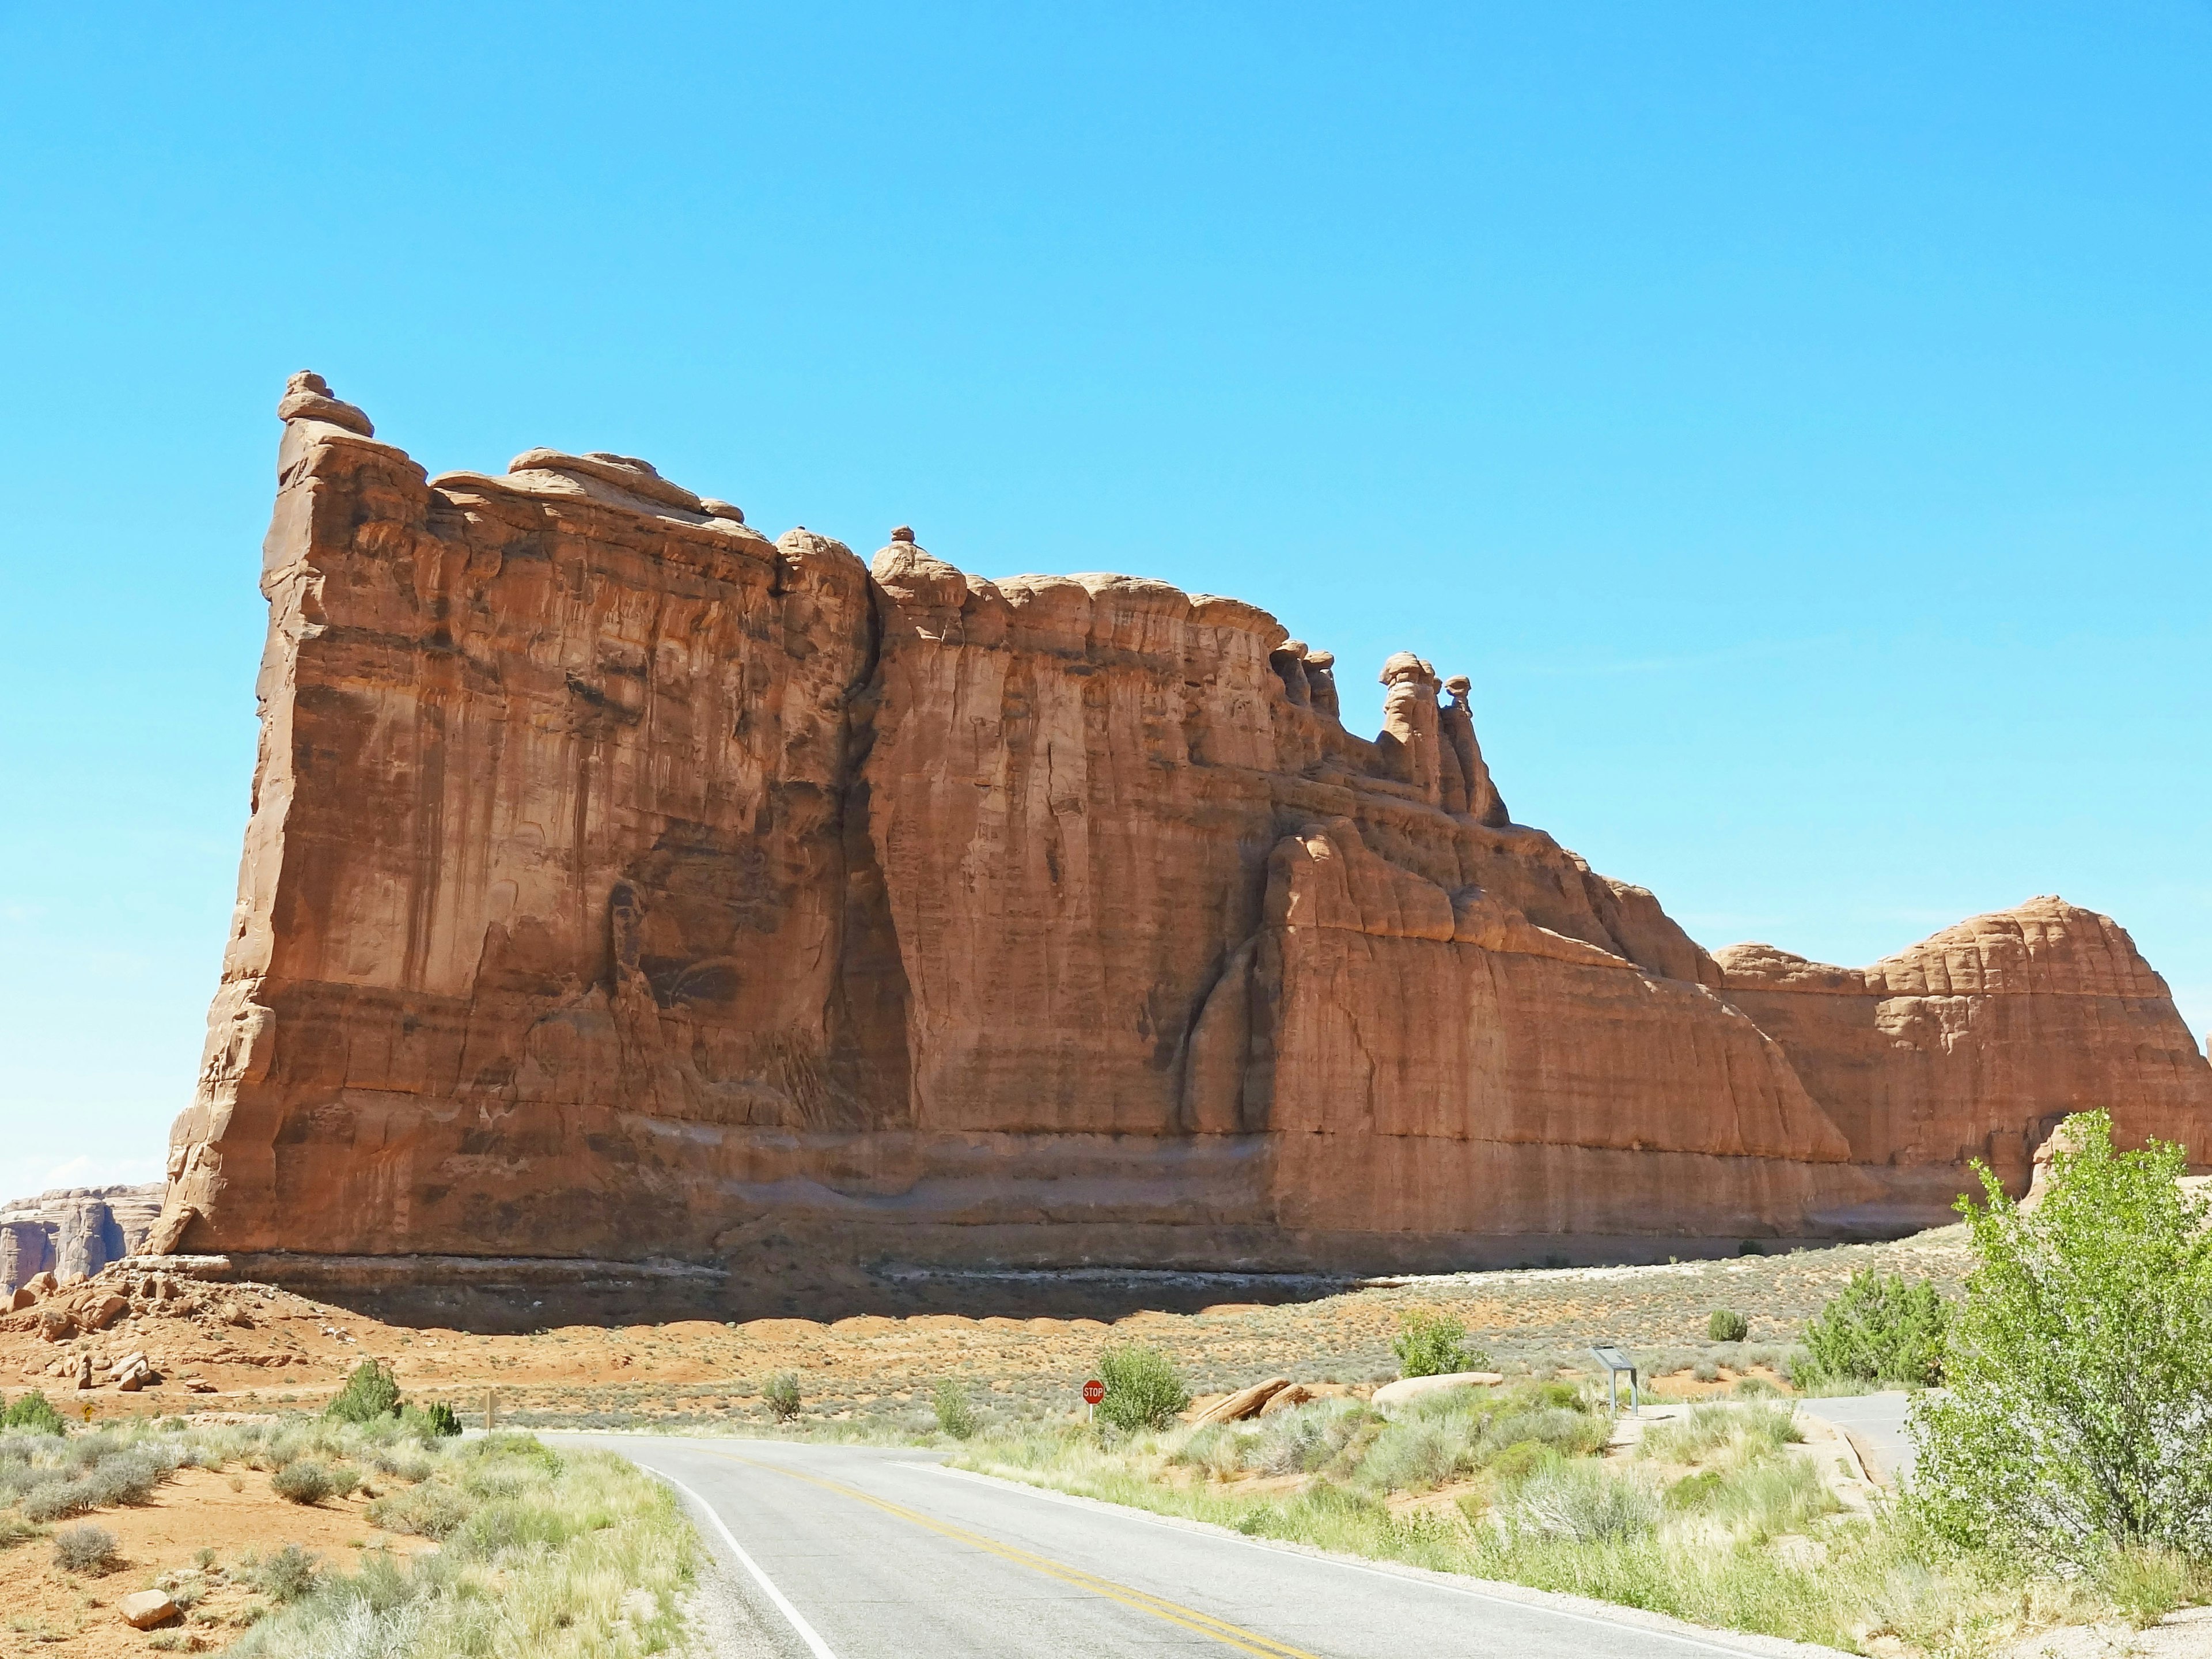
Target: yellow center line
{"type": "Point", "coordinates": [1204, 1623]}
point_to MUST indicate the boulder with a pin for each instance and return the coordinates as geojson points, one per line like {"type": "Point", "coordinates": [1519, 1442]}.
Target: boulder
{"type": "Point", "coordinates": [1245, 1402]}
{"type": "Point", "coordinates": [104, 1312]}
{"type": "Point", "coordinates": [1411, 1387]}
{"type": "Point", "coordinates": [1283, 1398]}
{"type": "Point", "coordinates": [144, 1609]}
{"type": "Point", "coordinates": [131, 1373]}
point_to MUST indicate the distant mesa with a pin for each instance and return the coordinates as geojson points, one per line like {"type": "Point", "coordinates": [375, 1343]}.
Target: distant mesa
{"type": "Point", "coordinates": [72, 1232]}
{"type": "Point", "coordinates": [624, 886]}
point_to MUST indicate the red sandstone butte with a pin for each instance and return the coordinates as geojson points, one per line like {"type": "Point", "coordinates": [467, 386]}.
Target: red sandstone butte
{"type": "Point", "coordinates": [623, 885]}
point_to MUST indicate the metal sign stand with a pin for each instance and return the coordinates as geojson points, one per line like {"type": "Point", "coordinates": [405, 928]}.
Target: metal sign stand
{"type": "Point", "coordinates": [1615, 1362]}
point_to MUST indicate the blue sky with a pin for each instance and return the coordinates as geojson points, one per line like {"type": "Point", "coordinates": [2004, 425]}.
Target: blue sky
{"type": "Point", "coordinates": [1796, 420]}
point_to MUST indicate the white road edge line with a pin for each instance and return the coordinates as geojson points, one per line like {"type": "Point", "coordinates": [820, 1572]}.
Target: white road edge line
{"type": "Point", "coordinates": [1373, 1571]}
{"type": "Point", "coordinates": [815, 1644]}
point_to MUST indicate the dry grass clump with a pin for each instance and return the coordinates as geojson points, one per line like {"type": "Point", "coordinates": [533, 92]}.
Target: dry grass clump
{"type": "Point", "coordinates": [1717, 1518]}
{"type": "Point", "coordinates": [558, 1555]}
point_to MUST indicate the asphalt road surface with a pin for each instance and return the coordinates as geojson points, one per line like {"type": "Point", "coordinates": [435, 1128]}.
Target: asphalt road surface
{"type": "Point", "coordinates": [865, 1552]}
{"type": "Point", "coordinates": [1878, 1422]}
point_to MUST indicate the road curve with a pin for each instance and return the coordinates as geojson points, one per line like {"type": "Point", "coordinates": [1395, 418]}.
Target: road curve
{"type": "Point", "coordinates": [865, 1552]}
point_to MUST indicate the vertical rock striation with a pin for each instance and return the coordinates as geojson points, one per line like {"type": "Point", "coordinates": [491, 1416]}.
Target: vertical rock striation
{"type": "Point", "coordinates": [622, 884]}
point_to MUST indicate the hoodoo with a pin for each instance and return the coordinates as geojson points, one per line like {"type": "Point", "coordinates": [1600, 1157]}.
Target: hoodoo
{"type": "Point", "coordinates": [622, 885]}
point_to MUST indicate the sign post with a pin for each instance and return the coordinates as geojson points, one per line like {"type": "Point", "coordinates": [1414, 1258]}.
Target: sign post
{"type": "Point", "coordinates": [1615, 1362]}
{"type": "Point", "coordinates": [1093, 1392]}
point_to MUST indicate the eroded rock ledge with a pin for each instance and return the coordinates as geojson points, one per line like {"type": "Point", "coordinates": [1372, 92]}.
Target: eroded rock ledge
{"type": "Point", "coordinates": [622, 885]}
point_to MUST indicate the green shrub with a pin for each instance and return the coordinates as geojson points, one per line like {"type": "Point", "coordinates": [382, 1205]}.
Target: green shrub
{"type": "Point", "coordinates": [1431, 1344]}
{"type": "Point", "coordinates": [435, 1421]}
{"type": "Point", "coordinates": [1569, 1432]}
{"type": "Point", "coordinates": [781, 1395]}
{"type": "Point", "coordinates": [1515, 1463]}
{"type": "Point", "coordinates": [370, 1392]}
{"type": "Point", "coordinates": [1879, 1329]}
{"type": "Point", "coordinates": [32, 1410]}
{"type": "Point", "coordinates": [1143, 1390]}
{"type": "Point", "coordinates": [304, 1481]}
{"type": "Point", "coordinates": [1726, 1325]}
{"type": "Point", "coordinates": [2079, 1420]}
{"type": "Point", "coordinates": [955, 1413]}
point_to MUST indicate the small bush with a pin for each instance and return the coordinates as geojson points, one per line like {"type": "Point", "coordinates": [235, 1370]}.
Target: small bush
{"type": "Point", "coordinates": [1143, 1390]}
{"type": "Point", "coordinates": [32, 1410]}
{"type": "Point", "coordinates": [1305, 1437]}
{"type": "Point", "coordinates": [1431, 1344]}
{"type": "Point", "coordinates": [1879, 1329]}
{"type": "Point", "coordinates": [1410, 1456]}
{"type": "Point", "coordinates": [370, 1392]}
{"type": "Point", "coordinates": [1726, 1325]}
{"type": "Point", "coordinates": [1705, 1371]}
{"type": "Point", "coordinates": [1514, 1464]}
{"type": "Point", "coordinates": [286, 1575]}
{"type": "Point", "coordinates": [435, 1421]}
{"type": "Point", "coordinates": [1569, 1432]}
{"type": "Point", "coordinates": [84, 1548]}
{"type": "Point", "coordinates": [1583, 1502]}
{"type": "Point", "coordinates": [955, 1413]}
{"type": "Point", "coordinates": [304, 1481]}
{"type": "Point", "coordinates": [781, 1395]}
{"type": "Point", "coordinates": [433, 1510]}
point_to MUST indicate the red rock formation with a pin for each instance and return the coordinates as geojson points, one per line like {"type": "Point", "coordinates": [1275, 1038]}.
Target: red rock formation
{"type": "Point", "coordinates": [1977, 1042]}
{"type": "Point", "coordinates": [621, 884]}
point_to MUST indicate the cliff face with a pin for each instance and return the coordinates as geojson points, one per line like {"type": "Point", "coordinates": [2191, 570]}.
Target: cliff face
{"type": "Point", "coordinates": [621, 884]}
{"type": "Point", "coordinates": [72, 1232]}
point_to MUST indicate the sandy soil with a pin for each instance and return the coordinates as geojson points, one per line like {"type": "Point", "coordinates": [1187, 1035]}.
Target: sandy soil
{"type": "Point", "coordinates": [252, 1348]}
{"type": "Point", "coordinates": [47, 1611]}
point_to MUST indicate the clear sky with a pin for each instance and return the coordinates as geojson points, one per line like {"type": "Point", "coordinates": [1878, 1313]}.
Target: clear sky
{"type": "Point", "coordinates": [1797, 421]}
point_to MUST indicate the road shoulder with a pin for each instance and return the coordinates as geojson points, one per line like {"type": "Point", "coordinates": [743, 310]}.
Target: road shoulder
{"type": "Point", "coordinates": [1580, 1607]}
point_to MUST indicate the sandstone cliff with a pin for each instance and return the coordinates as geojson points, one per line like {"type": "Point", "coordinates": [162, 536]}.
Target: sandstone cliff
{"type": "Point", "coordinates": [622, 884]}
{"type": "Point", "coordinates": [72, 1232]}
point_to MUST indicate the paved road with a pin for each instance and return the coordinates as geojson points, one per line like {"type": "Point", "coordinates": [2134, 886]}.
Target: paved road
{"type": "Point", "coordinates": [1877, 1421]}
{"type": "Point", "coordinates": [864, 1552]}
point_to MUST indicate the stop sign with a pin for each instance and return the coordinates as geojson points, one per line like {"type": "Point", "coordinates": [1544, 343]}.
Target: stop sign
{"type": "Point", "coordinates": [1093, 1392]}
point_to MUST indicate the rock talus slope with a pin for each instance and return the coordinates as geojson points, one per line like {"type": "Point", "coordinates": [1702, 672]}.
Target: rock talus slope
{"type": "Point", "coordinates": [622, 884]}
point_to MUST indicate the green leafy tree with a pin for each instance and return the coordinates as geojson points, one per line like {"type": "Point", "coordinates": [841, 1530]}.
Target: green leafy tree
{"type": "Point", "coordinates": [1431, 1344]}
{"type": "Point", "coordinates": [2079, 1414]}
{"type": "Point", "coordinates": [370, 1392]}
{"type": "Point", "coordinates": [956, 1413]}
{"type": "Point", "coordinates": [1726, 1325]}
{"type": "Point", "coordinates": [1880, 1330]}
{"type": "Point", "coordinates": [1143, 1390]}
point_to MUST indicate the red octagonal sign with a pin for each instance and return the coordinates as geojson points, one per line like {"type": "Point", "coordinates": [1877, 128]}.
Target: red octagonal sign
{"type": "Point", "coordinates": [1093, 1392]}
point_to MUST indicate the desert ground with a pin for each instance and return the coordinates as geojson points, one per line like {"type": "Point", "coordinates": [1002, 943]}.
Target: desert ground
{"type": "Point", "coordinates": [236, 1347]}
